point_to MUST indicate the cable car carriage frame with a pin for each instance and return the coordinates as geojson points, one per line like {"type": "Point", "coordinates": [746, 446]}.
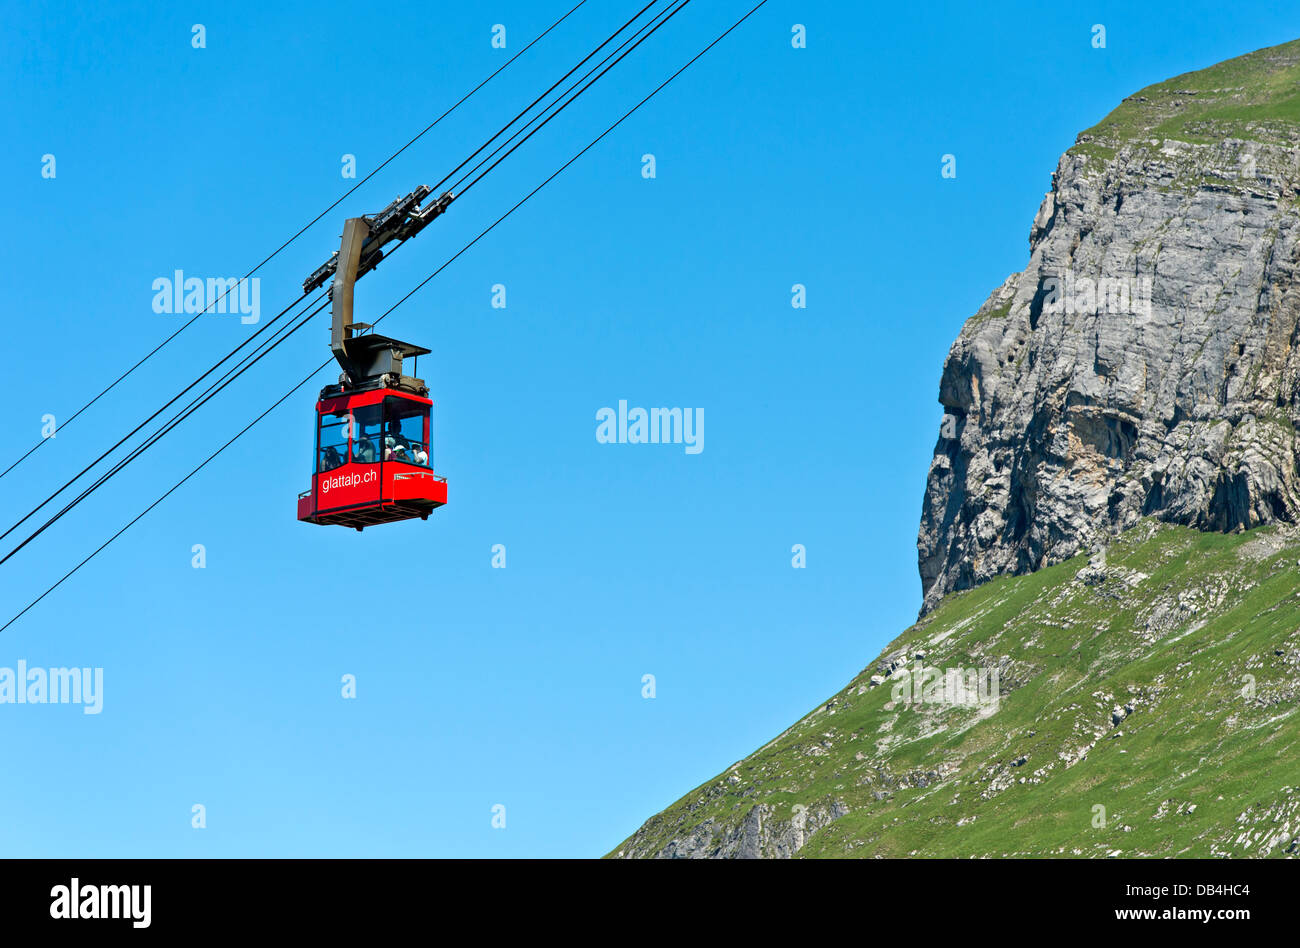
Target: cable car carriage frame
{"type": "Point", "coordinates": [373, 460]}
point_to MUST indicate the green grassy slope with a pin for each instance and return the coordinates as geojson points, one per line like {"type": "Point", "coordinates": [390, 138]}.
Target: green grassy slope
{"type": "Point", "coordinates": [1123, 687]}
{"type": "Point", "coordinates": [1256, 97]}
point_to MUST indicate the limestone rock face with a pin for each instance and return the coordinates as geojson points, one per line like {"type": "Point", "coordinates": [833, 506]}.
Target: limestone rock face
{"type": "Point", "coordinates": [1143, 363]}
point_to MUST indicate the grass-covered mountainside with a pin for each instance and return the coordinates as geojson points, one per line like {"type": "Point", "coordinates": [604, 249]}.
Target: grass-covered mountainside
{"type": "Point", "coordinates": [1254, 97]}
{"type": "Point", "coordinates": [1147, 706]}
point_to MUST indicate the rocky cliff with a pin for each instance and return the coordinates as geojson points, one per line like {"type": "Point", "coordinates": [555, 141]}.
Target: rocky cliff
{"type": "Point", "coordinates": [1144, 362]}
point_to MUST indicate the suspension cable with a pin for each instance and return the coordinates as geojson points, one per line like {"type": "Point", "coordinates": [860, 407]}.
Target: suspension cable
{"type": "Point", "coordinates": [626, 47]}
{"type": "Point", "coordinates": [244, 365]}
{"type": "Point", "coordinates": [175, 398]}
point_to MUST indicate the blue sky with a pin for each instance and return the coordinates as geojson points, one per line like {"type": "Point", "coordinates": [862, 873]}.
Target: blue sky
{"type": "Point", "coordinates": [518, 686]}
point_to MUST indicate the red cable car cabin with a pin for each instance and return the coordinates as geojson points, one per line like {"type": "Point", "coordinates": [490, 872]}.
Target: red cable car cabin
{"type": "Point", "coordinates": [374, 461]}
{"type": "Point", "coordinates": [374, 456]}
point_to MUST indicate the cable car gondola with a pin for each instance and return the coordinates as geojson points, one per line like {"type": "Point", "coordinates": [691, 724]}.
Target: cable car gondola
{"type": "Point", "coordinates": [374, 450]}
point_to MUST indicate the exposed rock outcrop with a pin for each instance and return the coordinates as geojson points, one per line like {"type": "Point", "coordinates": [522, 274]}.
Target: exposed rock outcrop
{"type": "Point", "coordinates": [759, 835]}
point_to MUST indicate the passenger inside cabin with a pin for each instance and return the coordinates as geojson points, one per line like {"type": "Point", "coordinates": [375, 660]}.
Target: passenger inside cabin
{"type": "Point", "coordinates": [396, 447]}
